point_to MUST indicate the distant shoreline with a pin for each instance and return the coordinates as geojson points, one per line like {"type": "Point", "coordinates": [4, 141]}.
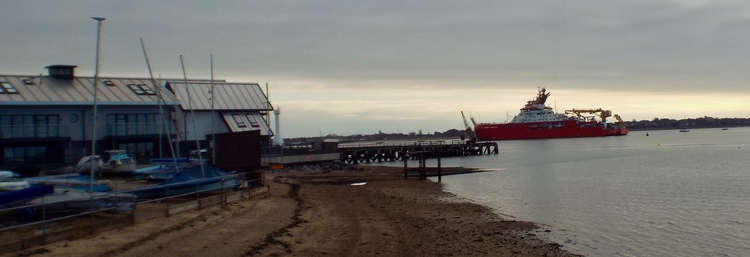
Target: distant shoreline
{"type": "Point", "coordinates": [671, 128]}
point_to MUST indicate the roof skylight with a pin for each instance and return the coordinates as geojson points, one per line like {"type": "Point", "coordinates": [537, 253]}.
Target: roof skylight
{"type": "Point", "coordinates": [137, 90]}
{"type": "Point", "coordinates": [7, 88]}
{"type": "Point", "coordinates": [238, 120]}
{"type": "Point", "coordinates": [146, 89]}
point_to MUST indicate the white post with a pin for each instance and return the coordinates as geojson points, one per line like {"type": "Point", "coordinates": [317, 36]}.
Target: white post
{"type": "Point", "coordinates": [277, 132]}
{"type": "Point", "coordinates": [99, 21]}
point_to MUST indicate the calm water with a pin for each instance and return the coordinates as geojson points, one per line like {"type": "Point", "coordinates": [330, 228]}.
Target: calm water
{"type": "Point", "coordinates": [667, 194]}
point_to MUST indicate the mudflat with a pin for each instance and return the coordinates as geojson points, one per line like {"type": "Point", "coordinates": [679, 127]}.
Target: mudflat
{"type": "Point", "coordinates": [323, 214]}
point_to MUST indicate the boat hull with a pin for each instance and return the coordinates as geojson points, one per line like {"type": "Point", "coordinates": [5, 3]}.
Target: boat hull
{"type": "Point", "coordinates": [540, 130]}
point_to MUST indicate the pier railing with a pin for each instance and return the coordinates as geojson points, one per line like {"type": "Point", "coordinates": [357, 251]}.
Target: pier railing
{"type": "Point", "coordinates": [399, 151]}
{"type": "Point", "coordinates": [431, 142]}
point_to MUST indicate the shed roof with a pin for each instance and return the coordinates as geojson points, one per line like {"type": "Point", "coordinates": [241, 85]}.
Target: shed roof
{"type": "Point", "coordinates": [44, 90]}
{"type": "Point", "coordinates": [228, 96]}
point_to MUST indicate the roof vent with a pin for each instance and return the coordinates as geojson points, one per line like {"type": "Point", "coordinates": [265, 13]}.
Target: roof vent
{"type": "Point", "coordinates": [61, 71]}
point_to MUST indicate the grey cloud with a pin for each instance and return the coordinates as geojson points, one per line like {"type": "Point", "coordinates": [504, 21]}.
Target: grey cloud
{"type": "Point", "coordinates": [573, 42]}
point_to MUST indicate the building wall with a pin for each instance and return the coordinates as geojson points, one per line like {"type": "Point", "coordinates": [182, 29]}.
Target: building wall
{"type": "Point", "coordinates": [66, 131]}
{"type": "Point", "coordinates": [238, 151]}
{"type": "Point", "coordinates": [197, 125]}
{"type": "Point", "coordinates": [134, 128]}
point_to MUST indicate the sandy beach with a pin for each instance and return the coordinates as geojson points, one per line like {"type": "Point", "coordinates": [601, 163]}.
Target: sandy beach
{"type": "Point", "coordinates": [322, 214]}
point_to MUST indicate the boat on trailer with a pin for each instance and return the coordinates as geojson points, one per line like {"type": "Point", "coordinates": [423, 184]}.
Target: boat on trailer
{"type": "Point", "coordinates": [189, 180]}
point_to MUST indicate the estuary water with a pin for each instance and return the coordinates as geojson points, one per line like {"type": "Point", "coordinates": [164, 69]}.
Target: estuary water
{"type": "Point", "coordinates": [666, 194]}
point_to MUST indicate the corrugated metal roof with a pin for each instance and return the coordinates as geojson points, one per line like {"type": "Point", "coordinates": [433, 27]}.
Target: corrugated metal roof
{"type": "Point", "coordinates": [44, 90]}
{"type": "Point", "coordinates": [228, 96]}
{"type": "Point", "coordinates": [246, 121]}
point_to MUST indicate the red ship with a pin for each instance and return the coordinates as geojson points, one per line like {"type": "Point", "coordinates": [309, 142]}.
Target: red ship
{"type": "Point", "coordinates": [539, 121]}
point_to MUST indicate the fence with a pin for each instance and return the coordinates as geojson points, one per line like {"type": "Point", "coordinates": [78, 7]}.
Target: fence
{"type": "Point", "coordinates": [50, 228]}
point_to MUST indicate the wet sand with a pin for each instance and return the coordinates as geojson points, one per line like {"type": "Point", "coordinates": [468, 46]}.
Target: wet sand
{"type": "Point", "coordinates": [322, 214]}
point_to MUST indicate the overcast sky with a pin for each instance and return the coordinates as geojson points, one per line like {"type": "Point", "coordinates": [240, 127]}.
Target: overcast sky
{"type": "Point", "coordinates": [350, 67]}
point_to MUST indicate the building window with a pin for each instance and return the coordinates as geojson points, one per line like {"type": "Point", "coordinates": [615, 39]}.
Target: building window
{"type": "Point", "coordinates": [131, 124]}
{"type": "Point", "coordinates": [29, 126]}
{"type": "Point", "coordinates": [141, 89]}
{"type": "Point", "coordinates": [25, 154]}
{"type": "Point", "coordinates": [238, 120]}
{"type": "Point", "coordinates": [137, 90]}
{"type": "Point", "coordinates": [146, 89]}
{"type": "Point", "coordinates": [7, 88]}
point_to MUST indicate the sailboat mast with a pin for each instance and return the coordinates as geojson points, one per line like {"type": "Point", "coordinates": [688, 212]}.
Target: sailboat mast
{"type": "Point", "coordinates": [160, 101]}
{"type": "Point", "coordinates": [192, 116]}
{"type": "Point", "coordinates": [99, 21]}
{"type": "Point", "coordinates": [213, 135]}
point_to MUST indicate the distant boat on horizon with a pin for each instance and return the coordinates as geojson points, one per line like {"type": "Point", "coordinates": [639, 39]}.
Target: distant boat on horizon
{"type": "Point", "coordinates": [724, 128]}
{"type": "Point", "coordinates": [684, 130]}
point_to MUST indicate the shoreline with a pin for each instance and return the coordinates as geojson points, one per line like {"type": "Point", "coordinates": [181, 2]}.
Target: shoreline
{"type": "Point", "coordinates": [390, 216]}
{"type": "Point", "coordinates": [322, 214]}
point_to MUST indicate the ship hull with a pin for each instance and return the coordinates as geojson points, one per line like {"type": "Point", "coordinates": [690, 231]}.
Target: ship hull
{"type": "Point", "coordinates": [539, 130]}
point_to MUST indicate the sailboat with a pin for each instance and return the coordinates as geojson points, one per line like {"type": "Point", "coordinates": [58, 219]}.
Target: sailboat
{"type": "Point", "coordinates": [71, 199]}
{"type": "Point", "coordinates": [186, 176]}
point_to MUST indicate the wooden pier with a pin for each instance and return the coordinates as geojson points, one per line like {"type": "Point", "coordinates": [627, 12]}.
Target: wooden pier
{"type": "Point", "coordinates": [384, 152]}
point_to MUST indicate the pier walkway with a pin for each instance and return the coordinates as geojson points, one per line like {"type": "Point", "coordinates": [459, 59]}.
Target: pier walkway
{"type": "Point", "coordinates": [389, 151]}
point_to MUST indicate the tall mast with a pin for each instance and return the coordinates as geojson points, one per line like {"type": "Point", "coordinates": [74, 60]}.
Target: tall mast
{"type": "Point", "coordinates": [99, 21]}
{"type": "Point", "coordinates": [213, 136]}
{"type": "Point", "coordinates": [192, 116]}
{"type": "Point", "coordinates": [268, 105]}
{"type": "Point", "coordinates": [160, 101]}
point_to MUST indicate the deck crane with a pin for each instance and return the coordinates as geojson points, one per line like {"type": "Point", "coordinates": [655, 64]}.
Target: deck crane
{"type": "Point", "coordinates": [602, 114]}
{"type": "Point", "coordinates": [620, 123]}
{"type": "Point", "coordinates": [468, 130]}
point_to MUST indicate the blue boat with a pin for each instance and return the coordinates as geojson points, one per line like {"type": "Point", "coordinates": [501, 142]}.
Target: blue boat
{"type": "Point", "coordinates": [21, 196]}
{"type": "Point", "coordinates": [164, 168]}
{"type": "Point", "coordinates": [188, 180]}
{"type": "Point", "coordinates": [72, 181]}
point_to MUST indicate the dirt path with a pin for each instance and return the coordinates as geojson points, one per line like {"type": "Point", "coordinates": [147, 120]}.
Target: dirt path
{"type": "Point", "coordinates": [324, 215]}
{"type": "Point", "coordinates": [209, 232]}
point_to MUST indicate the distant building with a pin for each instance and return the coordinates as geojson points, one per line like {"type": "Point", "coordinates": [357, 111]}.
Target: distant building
{"type": "Point", "coordinates": [46, 120]}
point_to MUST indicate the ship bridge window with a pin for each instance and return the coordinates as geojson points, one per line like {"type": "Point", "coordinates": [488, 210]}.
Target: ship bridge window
{"type": "Point", "coordinates": [7, 88]}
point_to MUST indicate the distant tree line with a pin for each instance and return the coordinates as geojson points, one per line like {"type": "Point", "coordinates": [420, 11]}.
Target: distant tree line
{"type": "Point", "coordinates": [703, 122]}
{"type": "Point", "coordinates": [451, 133]}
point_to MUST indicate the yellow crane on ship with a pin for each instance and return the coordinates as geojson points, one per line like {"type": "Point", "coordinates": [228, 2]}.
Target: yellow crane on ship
{"type": "Point", "coordinates": [601, 113]}
{"type": "Point", "coordinates": [470, 134]}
